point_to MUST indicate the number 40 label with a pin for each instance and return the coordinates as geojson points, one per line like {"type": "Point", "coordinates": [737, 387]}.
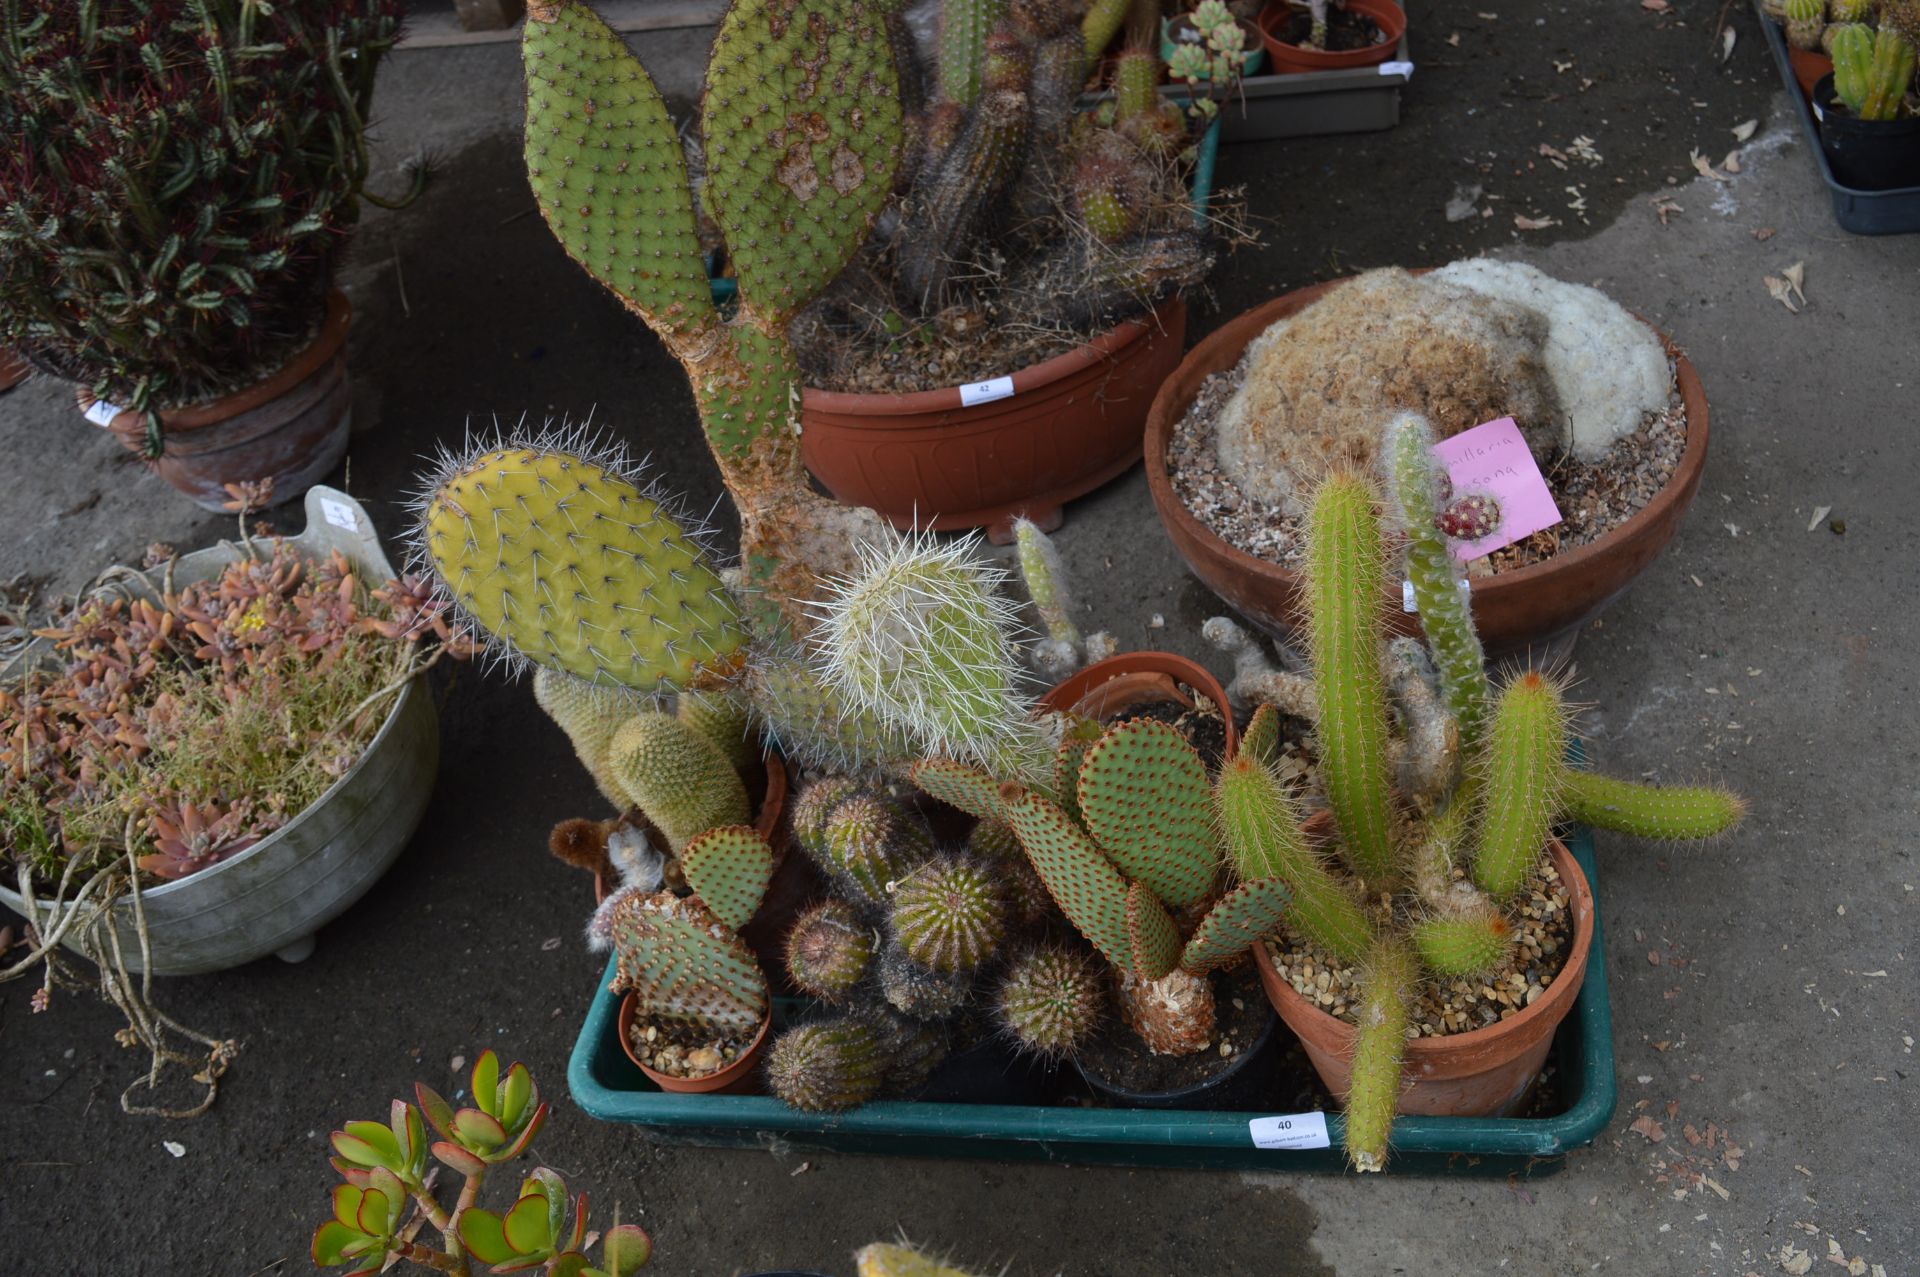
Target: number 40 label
{"type": "Point", "coordinates": [1290, 1130]}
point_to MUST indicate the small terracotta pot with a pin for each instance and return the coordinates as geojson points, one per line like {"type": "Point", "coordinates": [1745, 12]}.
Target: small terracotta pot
{"type": "Point", "coordinates": [1071, 424]}
{"type": "Point", "coordinates": [1481, 1073]}
{"type": "Point", "coordinates": [739, 1078]}
{"type": "Point", "coordinates": [1105, 689]}
{"type": "Point", "coordinates": [291, 428]}
{"type": "Point", "coordinates": [13, 369]}
{"type": "Point", "coordinates": [1810, 66]}
{"type": "Point", "coordinates": [1388, 16]}
{"type": "Point", "coordinates": [1515, 611]}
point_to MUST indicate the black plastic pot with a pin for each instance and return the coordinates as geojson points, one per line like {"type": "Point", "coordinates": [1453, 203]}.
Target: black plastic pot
{"type": "Point", "coordinates": [992, 1072]}
{"type": "Point", "coordinates": [1241, 1085]}
{"type": "Point", "coordinates": [1870, 155]}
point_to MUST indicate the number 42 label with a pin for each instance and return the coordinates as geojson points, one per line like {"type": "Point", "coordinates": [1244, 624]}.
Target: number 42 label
{"type": "Point", "coordinates": [1290, 1130]}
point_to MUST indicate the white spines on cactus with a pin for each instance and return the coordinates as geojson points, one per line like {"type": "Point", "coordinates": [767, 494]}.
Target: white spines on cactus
{"type": "Point", "coordinates": [1058, 654]}
{"type": "Point", "coordinates": [923, 638]}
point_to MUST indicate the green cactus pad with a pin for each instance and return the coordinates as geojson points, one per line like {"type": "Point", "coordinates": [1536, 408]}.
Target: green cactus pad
{"type": "Point", "coordinates": [723, 720]}
{"type": "Point", "coordinates": [750, 399]}
{"type": "Point", "coordinates": [1151, 933]}
{"type": "Point", "coordinates": [685, 966]}
{"type": "Point", "coordinates": [678, 777]}
{"type": "Point", "coordinates": [1387, 986]}
{"type": "Point", "coordinates": [827, 1067]}
{"type": "Point", "coordinates": [1146, 800]}
{"type": "Point", "coordinates": [1081, 880]}
{"type": "Point", "coordinates": [1345, 579]}
{"type": "Point", "coordinates": [950, 914]}
{"type": "Point", "coordinates": [1650, 811]}
{"type": "Point", "coordinates": [564, 562]}
{"type": "Point", "coordinates": [1052, 999]}
{"type": "Point", "coordinates": [729, 868]}
{"type": "Point", "coordinates": [607, 170]}
{"type": "Point", "coordinates": [1462, 947]}
{"type": "Point", "coordinates": [960, 785]}
{"type": "Point", "coordinates": [1242, 917]}
{"type": "Point", "coordinates": [1074, 744]}
{"type": "Point", "coordinates": [1264, 841]}
{"type": "Point", "coordinates": [589, 714]}
{"type": "Point", "coordinates": [828, 950]}
{"type": "Point", "coordinates": [802, 125]}
{"type": "Point", "coordinates": [1261, 741]}
{"type": "Point", "coordinates": [1524, 771]}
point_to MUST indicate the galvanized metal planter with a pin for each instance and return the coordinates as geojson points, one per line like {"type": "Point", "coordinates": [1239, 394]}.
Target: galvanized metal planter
{"type": "Point", "coordinates": [273, 896]}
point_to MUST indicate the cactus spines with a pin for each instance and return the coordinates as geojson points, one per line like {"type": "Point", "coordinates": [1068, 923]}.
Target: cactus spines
{"type": "Point", "coordinates": [1265, 842]}
{"type": "Point", "coordinates": [721, 719]}
{"type": "Point", "coordinates": [1238, 920]}
{"type": "Point", "coordinates": [685, 966]}
{"type": "Point", "coordinates": [1260, 742]}
{"type": "Point", "coordinates": [1469, 945]}
{"type": "Point", "coordinates": [918, 991]}
{"type": "Point", "coordinates": [960, 785]}
{"type": "Point", "coordinates": [1173, 1015]}
{"type": "Point", "coordinates": [1052, 1000]}
{"type": "Point", "coordinates": [1525, 770]}
{"type": "Point", "coordinates": [812, 726]}
{"type": "Point", "coordinates": [1387, 985]}
{"type": "Point", "coordinates": [1146, 800]}
{"type": "Point", "coordinates": [589, 715]}
{"type": "Point", "coordinates": [922, 636]}
{"type": "Point", "coordinates": [962, 40]}
{"type": "Point", "coordinates": [1046, 581]}
{"type": "Point", "coordinates": [1648, 811]}
{"type": "Point", "coordinates": [828, 950]}
{"type": "Point", "coordinates": [1112, 187]}
{"type": "Point", "coordinates": [1136, 84]}
{"type": "Point", "coordinates": [1345, 562]}
{"type": "Point", "coordinates": [813, 808]}
{"type": "Point", "coordinates": [678, 777]}
{"type": "Point", "coordinates": [870, 842]}
{"type": "Point", "coordinates": [729, 868]}
{"type": "Point", "coordinates": [1414, 476]}
{"type": "Point", "coordinates": [1079, 877]}
{"type": "Point", "coordinates": [1872, 69]}
{"type": "Point", "coordinates": [950, 914]}
{"type": "Point", "coordinates": [555, 554]}
{"type": "Point", "coordinates": [883, 1259]}
{"type": "Point", "coordinates": [1806, 19]}
{"type": "Point", "coordinates": [608, 171]}
{"type": "Point", "coordinates": [1151, 933]}
{"type": "Point", "coordinates": [827, 1067]}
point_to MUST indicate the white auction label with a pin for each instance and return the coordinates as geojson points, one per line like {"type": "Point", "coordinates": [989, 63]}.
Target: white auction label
{"type": "Point", "coordinates": [1397, 68]}
{"type": "Point", "coordinates": [1290, 1130]}
{"type": "Point", "coordinates": [339, 514]}
{"type": "Point", "coordinates": [102, 413]}
{"type": "Point", "coordinates": [975, 392]}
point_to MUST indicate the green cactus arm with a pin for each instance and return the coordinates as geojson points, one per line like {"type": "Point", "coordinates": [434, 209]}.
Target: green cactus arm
{"type": "Point", "coordinates": [1239, 920]}
{"type": "Point", "coordinates": [1081, 880]}
{"type": "Point", "coordinates": [1445, 611]}
{"type": "Point", "coordinates": [1650, 811]}
{"type": "Point", "coordinates": [729, 868]}
{"type": "Point", "coordinates": [1151, 933]}
{"type": "Point", "coordinates": [1100, 24]}
{"type": "Point", "coordinates": [1464, 946]}
{"type": "Point", "coordinates": [589, 715]}
{"type": "Point", "coordinates": [607, 170]}
{"type": "Point", "coordinates": [1046, 580]}
{"type": "Point", "coordinates": [678, 777]}
{"type": "Point", "coordinates": [686, 966]}
{"type": "Point", "coordinates": [1387, 987]}
{"type": "Point", "coordinates": [1261, 741]}
{"type": "Point", "coordinates": [1265, 843]}
{"type": "Point", "coordinates": [962, 46]}
{"type": "Point", "coordinates": [1345, 579]}
{"type": "Point", "coordinates": [1852, 65]}
{"type": "Point", "coordinates": [1525, 769]}
{"type": "Point", "coordinates": [1146, 800]}
{"type": "Point", "coordinates": [722, 718]}
{"type": "Point", "coordinates": [802, 124]}
{"type": "Point", "coordinates": [1136, 84]}
{"type": "Point", "coordinates": [812, 726]}
{"type": "Point", "coordinates": [1891, 73]}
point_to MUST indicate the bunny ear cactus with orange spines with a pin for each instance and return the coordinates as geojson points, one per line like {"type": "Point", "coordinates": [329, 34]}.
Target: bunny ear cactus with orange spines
{"type": "Point", "coordinates": [729, 868]}
{"type": "Point", "coordinates": [507, 1114]}
{"type": "Point", "coordinates": [1146, 800]}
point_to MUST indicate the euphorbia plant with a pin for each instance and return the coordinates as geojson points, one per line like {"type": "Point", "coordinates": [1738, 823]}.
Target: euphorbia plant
{"type": "Point", "coordinates": [385, 1167]}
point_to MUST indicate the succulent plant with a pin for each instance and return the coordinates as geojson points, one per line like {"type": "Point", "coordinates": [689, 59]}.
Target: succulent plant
{"type": "Point", "coordinates": [1872, 70]}
{"type": "Point", "coordinates": [546, 1228]}
{"type": "Point", "coordinates": [829, 950]}
{"type": "Point", "coordinates": [506, 1115]}
{"type": "Point", "coordinates": [950, 914]}
{"type": "Point", "coordinates": [1806, 19]}
{"type": "Point", "coordinates": [868, 843]}
{"type": "Point", "coordinates": [590, 714]}
{"type": "Point", "coordinates": [828, 1066]}
{"type": "Point", "coordinates": [685, 966]}
{"type": "Point", "coordinates": [677, 776]}
{"type": "Point", "coordinates": [1052, 999]}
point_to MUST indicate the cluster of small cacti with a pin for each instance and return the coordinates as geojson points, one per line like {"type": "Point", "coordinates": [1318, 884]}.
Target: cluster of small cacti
{"type": "Point", "coordinates": [1873, 68]}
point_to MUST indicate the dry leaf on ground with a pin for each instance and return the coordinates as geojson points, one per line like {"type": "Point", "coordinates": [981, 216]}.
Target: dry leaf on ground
{"type": "Point", "coordinates": [1782, 292]}
{"type": "Point", "coordinates": [1732, 163]}
{"type": "Point", "coordinates": [1745, 129]}
{"type": "Point", "coordinates": [1704, 167]}
{"type": "Point", "coordinates": [1796, 275]}
{"type": "Point", "coordinates": [1525, 223]}
{"type": "Point", "coordinates": [1819, 512]}
{"type": "Point", "coordinates": [1645, 1125]}
{"type": "Point", "coordinates": [1655, 6]}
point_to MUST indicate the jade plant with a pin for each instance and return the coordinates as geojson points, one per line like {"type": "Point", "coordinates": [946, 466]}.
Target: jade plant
{"type": "Point", "coordinates": [389, 1182]}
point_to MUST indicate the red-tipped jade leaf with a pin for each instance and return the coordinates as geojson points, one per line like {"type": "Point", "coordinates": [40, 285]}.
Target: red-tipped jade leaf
{"type": "Point", "coordinates": [482, 1232]}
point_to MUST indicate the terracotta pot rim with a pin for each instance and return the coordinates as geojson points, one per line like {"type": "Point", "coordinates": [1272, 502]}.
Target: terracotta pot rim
{"type": "Point", "coordinates": [314, 355]}
{"type": "Point", "coordinates": [706, 1082]}
{"type": "Point", "coordinates": [1161, 422]}
{"type": "Point", "coordinates": [892, 406]}
{"type": "Point", "coordinates": [1295, 58]}
{"type": "Point", "coordinates": [1553, 1005]}
{"type": "Point", "coordinates": [1084, 683]}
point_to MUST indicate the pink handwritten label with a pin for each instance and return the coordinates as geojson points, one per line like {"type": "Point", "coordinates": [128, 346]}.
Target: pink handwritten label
{"type": "Point", "coordinates": [1492, 461]}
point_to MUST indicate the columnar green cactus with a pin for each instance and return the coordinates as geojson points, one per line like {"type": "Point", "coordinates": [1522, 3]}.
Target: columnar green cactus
{"type": "Point", "coordinates": [678, 777]}
{"type": "Point", "coordinates": [1650, 811]}
{"type": "Point", "coordinates": [589, 714]}
{"type": "Point", "coordinates": [963, 29]}
{"type": "Point", "coordinates": [729, 868]}
{"type": "Point", "coordinates": [868, 844]}
{"type": "Point", "coordinates": [685, 966]}
{"type": "Point", "coordinates": [1525, 769]}
{"type": "Point", "coordinates": [1805, 21]}
{"type": "Point", "coordinates": [812, 726]}
{"type": "Point", "coordinates": [1872, 70]}
{"type": "Point", "coordinates": [1263, 835]}
{"type": "Point", "coordinates": [950, 914]}
{"type": "Point", "coordinates": [722, 719]}
{"type": "Point", "coordinates": [828, 950]}
{"type": "Point", "coordinates": [827, 1067]}
{"type": "Point", "coordinates": [1413, 478]}
{"type": "Point", "coordinates": [1046, 581]}
{"type": "Point", "coordinates": [1261, 739]}
{"type": "Point", "coordinates": [1345, 579]}
{"type": "Point", "coordinates": [1052, 1000]}
{"type": "Point", "coordinates": [1136, 84]}
{"type": "Point", "coordinates": [1387, 986]}
{"type": "Point", "coordinates": [565, 560]}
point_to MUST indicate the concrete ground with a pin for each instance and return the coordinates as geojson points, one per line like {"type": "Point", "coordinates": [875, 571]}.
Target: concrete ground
{"type": "Point", "coordinates": [1763, 987]}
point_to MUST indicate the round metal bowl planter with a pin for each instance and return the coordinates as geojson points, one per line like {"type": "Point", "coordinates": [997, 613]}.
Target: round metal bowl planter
{"type": "Point", "coordinates": [273, 896]}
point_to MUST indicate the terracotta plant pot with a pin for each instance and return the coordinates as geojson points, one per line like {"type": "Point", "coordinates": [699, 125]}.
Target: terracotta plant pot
{"type": "Point", "coordinates": [739, 1078]}
{"type": "Point", "coordinates": [291, 428]}
{"type": "Point", "coordinates": [1516, 612]}
{"type": "Point", "coordinates": [1388, 16]}
{"type": "Point", "coordinates": [1106, 689]}
{"type": "Point", "coordinates": [1071, 424]}
{"type": "Point", "coordinates": [1810, 66]}
{"type": "Point", "coordinates": [1483, 1073]}
{"type": "Point", "coordinates": [13, 369]}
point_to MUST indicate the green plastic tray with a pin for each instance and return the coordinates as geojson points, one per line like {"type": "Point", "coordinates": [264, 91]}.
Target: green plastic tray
{"type": "Point", "coordinates": [606, 1085]}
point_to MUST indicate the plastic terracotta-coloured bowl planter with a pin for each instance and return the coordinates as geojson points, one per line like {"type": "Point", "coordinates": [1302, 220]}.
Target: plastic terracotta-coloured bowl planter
{"type": "Point", "coordinates": [739, 1078]}
{"type": "Point", "coordinates": [1536, 609]}
{"type": "Point", "coordinates": [607, 1085]}
{"type": "Point", "coordinates": [1389, 17]}
{"type": "Point", "coordinates": [273, 896]}
{"type": "Point", "coordinates": [1486, 1072]}
{"type": "Point", "coordinates": [1105, 689]}
{"type": "Point", "coordinates": [291, 428]}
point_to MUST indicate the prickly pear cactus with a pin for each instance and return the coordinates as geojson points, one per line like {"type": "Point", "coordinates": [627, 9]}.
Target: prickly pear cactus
{"type": "Point", "coordinates": [729, 868]}
{"type": "Point", "coordinates": [1145, 798]}
{"type": "Point", "coordinates": [686, 966]}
